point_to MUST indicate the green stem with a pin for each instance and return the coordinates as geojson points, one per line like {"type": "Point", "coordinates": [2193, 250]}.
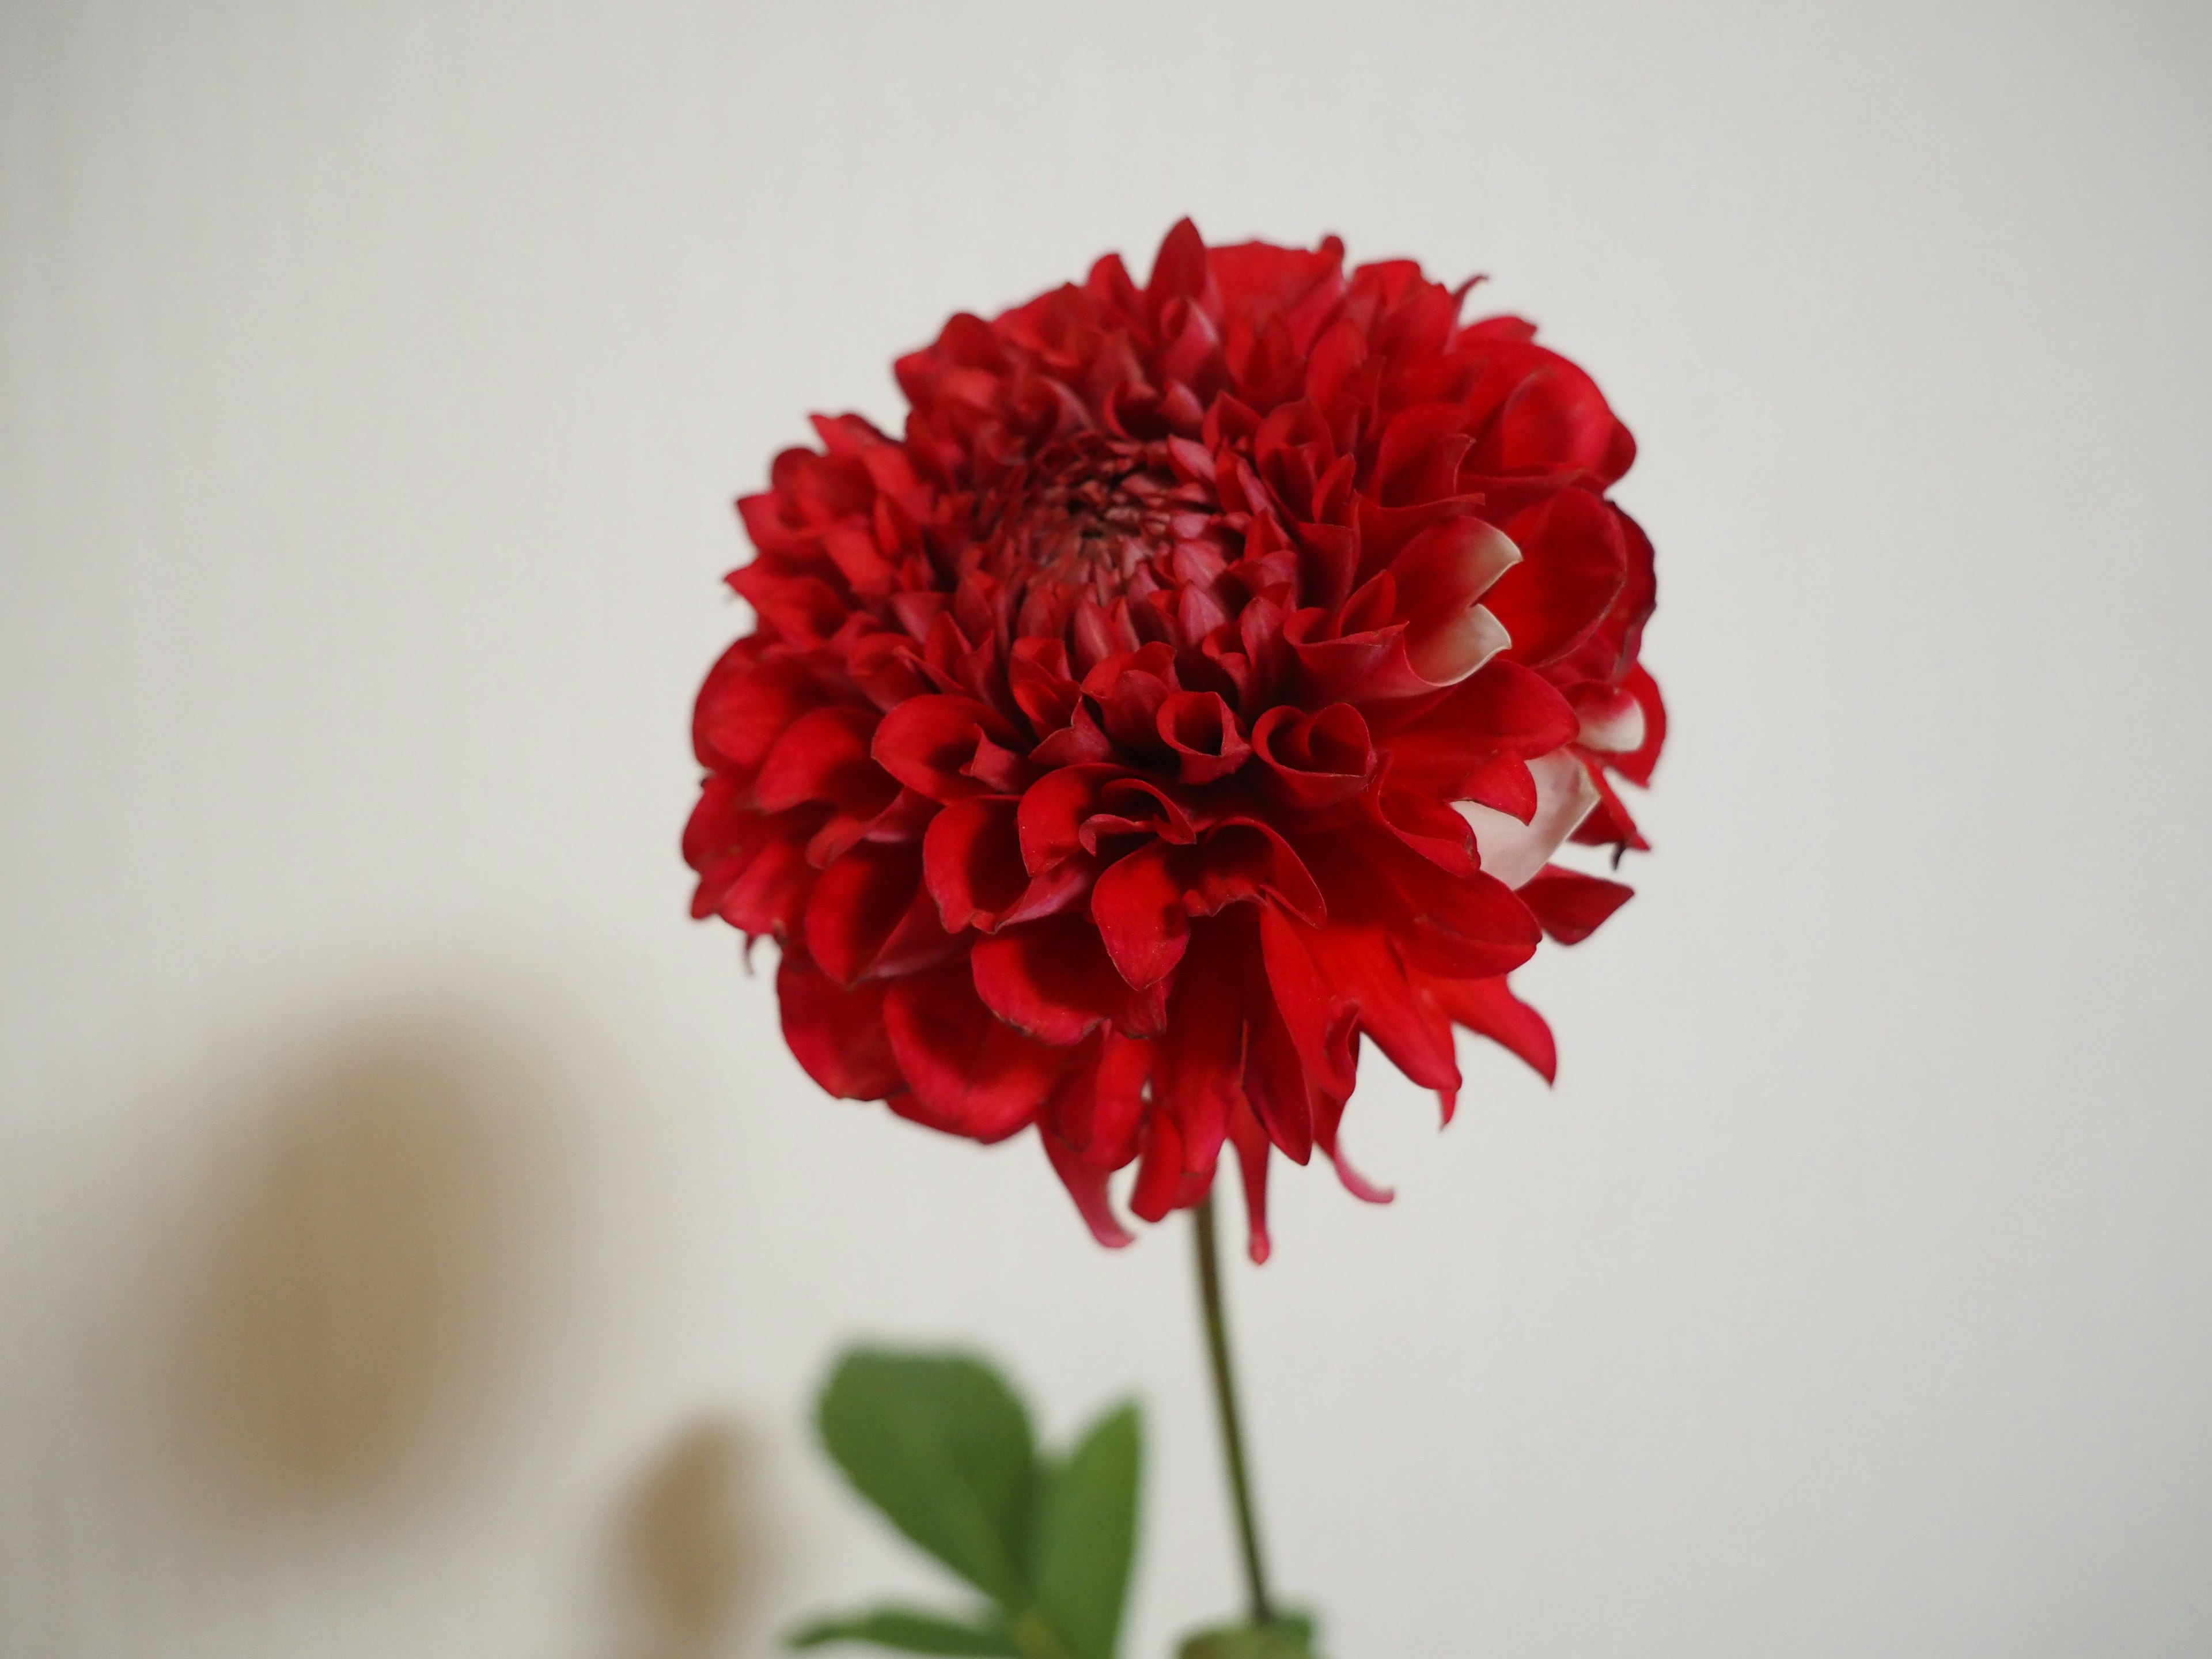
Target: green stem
{"type": "Point", "coordinates": [1224, 1399]}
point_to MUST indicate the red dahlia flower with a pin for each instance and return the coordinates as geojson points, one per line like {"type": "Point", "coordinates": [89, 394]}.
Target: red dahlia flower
{"type": "Point", "coordinates": [1201, 684]}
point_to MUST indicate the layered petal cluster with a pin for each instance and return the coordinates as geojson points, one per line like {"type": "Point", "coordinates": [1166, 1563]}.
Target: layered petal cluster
{"type": "Point", "coordinates": [1199, 686]}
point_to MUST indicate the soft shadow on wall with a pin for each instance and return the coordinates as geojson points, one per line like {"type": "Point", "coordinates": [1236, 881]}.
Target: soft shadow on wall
{"type": "Point", "coordinates": [695, 1555]}
{"type": "Point", "coordinates": [373, 1230]}
{"type": "Point", "coordinates": [375, 1266]}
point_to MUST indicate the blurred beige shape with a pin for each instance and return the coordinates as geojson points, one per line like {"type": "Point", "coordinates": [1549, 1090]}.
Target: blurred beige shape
{"type": "Point", "coordinates": [368, 1273]}
{"type": "Point", "coordinates": [693, 1551]}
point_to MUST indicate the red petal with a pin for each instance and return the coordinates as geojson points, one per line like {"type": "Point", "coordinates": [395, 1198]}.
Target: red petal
{"type": "Point", "coordinates": [1311, 762]}
{"type": "Point", "coordinates": [1138, 904]}
{"type": "Point", "coordinates": [1100, 1109]}
{"type": "Point", "coordinates": [1570, 905]}
{"type": "Point", "coordinates": [972, 858]}
{"type": "Point", "coordinates": [1252, 1152]}
{"type": "Point", "coordinates": [1441, 579]}
{"type": "Point", "coordinates": [929, 742]}
{"type": "Point", "coordinates": [1198, 1064]}
{"type": "Point", "coordinates": [1360, 963]}
{"type": "Point", "coordinates": [1243, 859]}
{"type": "Point", "coordinates": [970, 1073]}
{"type": "Point", "coordinates": [1489, 1008]}
{"type": "Point", "coordinates": [1201, 730]}
{"type": "Point", "coordinates": [1573, 563]}
{"type": "Point", "coordinates": [824, 757]}
{"type": "Point", "coordinates": [1087, 1185]}
{"type": "Point", "coordinates": [1162, 1184]}
{"type": "Point", "coordinates": [836, 1034]}
{"type": "Point", "coordinates": [1637, 767]}
{"type": "Point", "coordinates": [1051, 979]}
{"type": "Point", "coordinates": [856, 905]}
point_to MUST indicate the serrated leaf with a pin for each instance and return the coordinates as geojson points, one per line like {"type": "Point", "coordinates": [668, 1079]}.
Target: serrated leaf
{"type": "Point", "coordinates": [909, 1631]}
{"type": "Point", "coordinates": [941, 1445]}
{"type": "Point", "coordinates": [1290, 1636]}
{"type": "Point", "coordinates": [1085, 1534]}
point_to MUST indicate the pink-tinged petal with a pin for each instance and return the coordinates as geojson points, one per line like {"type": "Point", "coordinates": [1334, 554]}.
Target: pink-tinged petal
{"type": "Point", "coordinates": [1488, 1008]}
{"type": "Point", "coordinates": [1051, 979]}
{"type": "Point", "coordinates": [1087, 1185]}
{"type": "Point", "coordinates": [1504, 709]}
{"type": "Point", "coordinates": [1512, 851]}
{"type": "Point", "coordinates": [1504, 784]}
{"type": "Point", "coordinates": [1357, 1185]}
{"type": "Point", "coordinates": [1448, 650]}
{"type": "Point", "coordinates": [1572, 906]}
{"type": "Point", "coordinates": [1612, 719]}
{"type": "Point", "coordinates": [928, 744]}
{"type": "Point", "coordinates": [1610, 822]}
{"type": "Point", "coordinates": [836, 1034]}
{"type": "Point", "coordinates": [1637, 766]}
{"type": "Point", "coordinates": [1138, 904]}
{"type": "Point", "coordinates": [1440, 578]}
{"type": "Point", "coordinates": [1428, 827]}
{"type": "Point", "coordinates": [1371, 666]}
{"type": "Point", "coordinates": [970, 1073]}
{"type": "Point", "coordinates": [1202, 732]}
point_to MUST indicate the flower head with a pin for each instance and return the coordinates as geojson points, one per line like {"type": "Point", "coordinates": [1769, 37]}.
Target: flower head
{"type": "Point", "coordinates": [1200, 685]}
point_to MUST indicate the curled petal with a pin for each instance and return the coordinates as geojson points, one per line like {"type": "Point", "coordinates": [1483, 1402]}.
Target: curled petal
{"type": "Point", "coordinates": [930, 743]}
{"type": "Point", "coordinates": [1201, 731]}
{"type": "Point", "coordinates": [1612, 720]}
{"type": "Point", "coordinates": [972, 859]}
{"type": "Point", "coordinates": [1440, 578]}
{"type": "Point", "coordinates": [1311, 762]}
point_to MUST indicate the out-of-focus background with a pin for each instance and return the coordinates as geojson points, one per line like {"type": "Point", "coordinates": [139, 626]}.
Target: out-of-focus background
{"type": "Point", "coordinates": [414, 1238]}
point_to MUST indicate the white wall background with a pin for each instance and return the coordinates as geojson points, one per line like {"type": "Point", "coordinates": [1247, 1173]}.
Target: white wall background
{"type": "Point", "coordinates": [414, 1239]}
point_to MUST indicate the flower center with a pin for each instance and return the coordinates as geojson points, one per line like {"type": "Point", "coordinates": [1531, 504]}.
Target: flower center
{"type": "Point", "coordinates": [1084, 518]}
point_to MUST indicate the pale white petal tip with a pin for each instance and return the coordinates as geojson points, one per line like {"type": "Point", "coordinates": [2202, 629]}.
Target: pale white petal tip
{"type": "Point", "coordinates": [1513, 851]}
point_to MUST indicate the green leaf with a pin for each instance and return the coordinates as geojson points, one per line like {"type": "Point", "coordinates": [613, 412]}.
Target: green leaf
{"type": "Point", "coordinates": [909, 1631]}
{"type": "Point", "coordinates": [1290, 1637]}
{"type": "Point", "coordinates": [941, 1445]}
{"type": "Point", "coordinates": [1086, 1533]}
